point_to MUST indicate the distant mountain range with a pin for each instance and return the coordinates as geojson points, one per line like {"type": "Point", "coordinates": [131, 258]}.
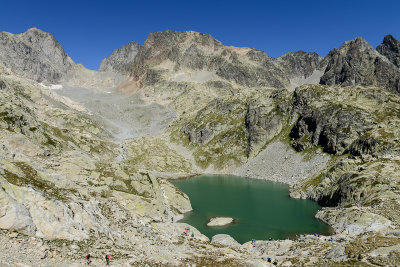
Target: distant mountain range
{"type": "Point", "coordinates": [192, 56]}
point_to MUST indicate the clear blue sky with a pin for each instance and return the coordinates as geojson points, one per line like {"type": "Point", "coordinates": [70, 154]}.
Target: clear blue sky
{"type": "Point", "coordinates": [91, 30]}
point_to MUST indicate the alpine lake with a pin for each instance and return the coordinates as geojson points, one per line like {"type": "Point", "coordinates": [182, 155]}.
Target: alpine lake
{"type": "Point", "coordinates": [261, 209]}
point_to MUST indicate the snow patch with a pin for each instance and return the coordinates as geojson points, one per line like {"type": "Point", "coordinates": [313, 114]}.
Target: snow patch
{"type": "Point", "coordinates": [56, 87]}
{"type": "Point", "coordinates": [52, 86]}
{"type": "Point", "coordinates": [314, 78]}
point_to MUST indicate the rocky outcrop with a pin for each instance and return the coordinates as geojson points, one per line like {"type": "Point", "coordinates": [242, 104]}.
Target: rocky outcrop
{"type": "Point", "coordinates": [34, 54]}
{"type": "Point", "coordinates": [354, 220]}
{"type": "Point", "coordinates": [213, 130]}
{"type": "Point", "coordinates": [359, 124]}
{"type": "Point", "coordinates": [225, 240]}
{"type": "Point", "coordinates": [121, 59]}
{"type": "Point", "coordinates": [390, 48]}
{"type": "Point", "coordinates": [357, 63]}
{"type": "Point", "coordinates": [202, 131]}
{"type": "Point", "coordinates": [334, 127]}
{"type": "Point", "coordinates": [30, 211]}
{"type": "Point", "coordinates": [262, 124]}
{"type": "Point", "coordinates": [15, 216]}
{"type": "Point", "coordinates": [220, 221]}
{"type": "Point", "coordinates": [342, 128]}
{"type": "Point", "coordinates": [250, 122]}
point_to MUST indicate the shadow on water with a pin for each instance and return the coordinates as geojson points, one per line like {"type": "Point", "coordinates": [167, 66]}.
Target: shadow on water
{"type": "Point", "coordinates": [261, 209]}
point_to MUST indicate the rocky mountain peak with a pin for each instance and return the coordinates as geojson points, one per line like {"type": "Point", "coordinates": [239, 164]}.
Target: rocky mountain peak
{"type": "Point", "coordinates": [170, 54]}
{"type": "Point", "coordinates": [174, 45]}
{"type": "Point", "coordinates": [357, 63]}
{"type": "Point", "coordinates": [164, 40]}
{"type": "Point", "coordinates": [34, 54]}
{"type": "Point", "coordinates": [357, 43]}
{"type": "Point", "coordinates": [199, 57]}
{"type": "Point", "coordinates": [121, 59]}
{"type": "Point", "coordinates": [390, 48]}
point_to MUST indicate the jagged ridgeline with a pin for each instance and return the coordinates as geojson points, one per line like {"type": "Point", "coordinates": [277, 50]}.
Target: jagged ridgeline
{"type": "Point", "coordinates": [186, 104]}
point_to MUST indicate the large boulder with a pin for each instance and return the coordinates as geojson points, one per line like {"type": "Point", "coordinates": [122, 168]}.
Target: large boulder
{"type": "Point", "coordinates": [337, 253]}
{"type": "Point", "coordinates": [15, 216]}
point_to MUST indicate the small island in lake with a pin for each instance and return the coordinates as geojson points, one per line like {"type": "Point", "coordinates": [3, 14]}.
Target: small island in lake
{"type": "Point", "coordinates": [220, 221]}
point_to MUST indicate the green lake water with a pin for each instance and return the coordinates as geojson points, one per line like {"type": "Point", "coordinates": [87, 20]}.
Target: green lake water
{"type": "Point", "coordinates": [261, 209]}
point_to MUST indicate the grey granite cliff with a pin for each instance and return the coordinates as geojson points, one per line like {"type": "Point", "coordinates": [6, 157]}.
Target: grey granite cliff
{"type": "Point", "coordinates": [34, 54]}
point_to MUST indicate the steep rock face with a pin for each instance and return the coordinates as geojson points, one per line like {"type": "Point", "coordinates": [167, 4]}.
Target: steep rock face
{"type": "Point", "coordinates": [354, 120]}
{"type": "Point", "coordinates": [262, 124]}
{"type": "Point", "coordinates": [390, 48]}
{"type": "Point", "coordinates": [121, 59]}
{"type": "Point", "coordinates": [217, 134]}
{"type": "Point", "coordinates": [206, 124]}
{"type": "Point", "coordinates": [357, 63]}
{"type": "Point", "coordinates": [359, 124]}
{"type": "Point", "coordinates": [300, 63]}
{"type": "Point", "coordinates": [34, 54]}
{"type": "Point", "coordinates": [228, 131]}
{"type": "Point", "coordinates": [334, 127]}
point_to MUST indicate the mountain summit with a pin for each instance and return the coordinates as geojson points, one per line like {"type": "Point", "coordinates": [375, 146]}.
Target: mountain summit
{"type": "Point", "coordinates": [197, 57]}
{"type": "Point", "coordinates": [121, 59]}
{"type": "Point", "coordinates": [176, 56]}
{"type": "Point", "coordinates": [34, 54]}
{"type": "Point", "coordinates": [390, 48]}
{"type": "Point", "coordinates": [358, 63]}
